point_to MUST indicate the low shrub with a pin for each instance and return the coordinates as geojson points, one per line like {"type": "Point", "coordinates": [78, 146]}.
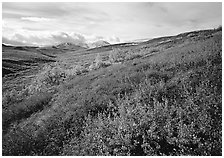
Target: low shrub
{"type": "Point", "coordinates": [120, 55]}
{"type": "Point", "coordinates": [98, 63]}
{"type": "Point", "coordinates": [132, 54]}
{"type": "Point", "coordinates": [46, 139]}
{"type": "Point", "coordinates": [12, 96]}
{"type": "Point", "coordinates": [117, 55]}
{"type": "Point", "coordinates": [81, 69]}
{"type": "Point", "coordinates": [50, 75]}
{"type": "Point", "coordinates": [24, 109]}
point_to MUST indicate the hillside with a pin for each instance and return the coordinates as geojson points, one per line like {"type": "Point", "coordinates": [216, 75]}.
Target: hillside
{"type": "Point", "coordinates": [16, 59]}
{"type": "Point", "coordinates": [20, 58]}
{"type": "Point", "coordinates": [159, 97]}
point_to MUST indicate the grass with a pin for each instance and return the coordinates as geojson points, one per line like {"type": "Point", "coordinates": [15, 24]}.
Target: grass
{"type": "Point", "coordinates": [158, 101]}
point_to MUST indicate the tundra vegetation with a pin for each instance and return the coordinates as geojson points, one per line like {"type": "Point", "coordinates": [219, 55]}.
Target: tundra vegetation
{"type": "Point", "coordinates": [160, 97]}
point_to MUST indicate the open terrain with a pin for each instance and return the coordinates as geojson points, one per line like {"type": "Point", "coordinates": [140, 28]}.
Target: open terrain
{"type": "Point", "coordinates": [158, 97]}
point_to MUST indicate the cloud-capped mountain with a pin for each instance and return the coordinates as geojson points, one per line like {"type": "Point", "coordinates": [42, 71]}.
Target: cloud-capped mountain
{"type": "Point", "coordinates": [78, 46]}
{"type": "Point", "coordinates": [99, 43]}
{"type": "Point", "coordinates": [71, 46]}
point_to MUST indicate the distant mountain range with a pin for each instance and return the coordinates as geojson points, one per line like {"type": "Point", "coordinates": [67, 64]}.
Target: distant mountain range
{"type": "Point", "coordinates": [77, 46]}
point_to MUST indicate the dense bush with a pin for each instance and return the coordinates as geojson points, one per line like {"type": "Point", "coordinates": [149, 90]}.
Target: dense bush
{"type": "Point", "coordinates": [139, 124]}
{"type": "Point", "coordinates": [53, 75]}
{"type": "Point", "coordinates": [98, 63]}
{"type": "Point", "coordinates": [117, 55]}
{"type": "Point", "coordinates": [121, 55]}
{"type": "Point", "coordinates": [13, 96]}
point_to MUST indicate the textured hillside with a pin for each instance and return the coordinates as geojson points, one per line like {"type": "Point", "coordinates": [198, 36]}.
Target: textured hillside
{"type": "Point", "coordinates": [158, 97]}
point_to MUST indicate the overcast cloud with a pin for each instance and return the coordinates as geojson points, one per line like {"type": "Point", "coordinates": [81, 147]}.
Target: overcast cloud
{"type": "Point", "coordinates": [53, 23]}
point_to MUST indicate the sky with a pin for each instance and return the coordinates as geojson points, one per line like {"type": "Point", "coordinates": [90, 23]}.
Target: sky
{"type": "Point", "coordinates": [53, 23]}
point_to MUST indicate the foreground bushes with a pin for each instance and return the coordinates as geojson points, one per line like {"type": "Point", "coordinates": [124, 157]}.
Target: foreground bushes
{"type": "Point", "coordinates": [139, 124]}
{"type": "Point", "coordinates": [163, 115]}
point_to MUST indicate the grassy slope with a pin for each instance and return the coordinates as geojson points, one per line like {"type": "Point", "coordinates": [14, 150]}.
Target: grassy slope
{"type": "Point", "coordinates": [16, 59]}
{"type": "Point", "coordinates": [165, 102]}
{"type": "Point", "coordinates": [19, 58]}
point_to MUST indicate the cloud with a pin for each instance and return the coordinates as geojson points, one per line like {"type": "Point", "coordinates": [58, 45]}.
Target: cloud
{"type": "Point", "coordinates": [62, 37]}
{"type": "Point", "coordinates": [35, 19]}
{"type": "Point", "coordinates": [39, 38]}
{"type": "Point", "coordinates": [23, 9]}
{"type": "Point", "coordinates": [12, 42]}
{"type": "Point", "coordinates": [114, 39]}
{"type": "Point", "coordinates": [110, 20]}
{"type": "Point", "coordinates": [94, 38]}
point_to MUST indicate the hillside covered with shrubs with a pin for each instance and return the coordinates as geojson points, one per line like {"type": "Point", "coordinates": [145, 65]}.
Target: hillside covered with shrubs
{"type": "Point", "coordinates": [160, 97]}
